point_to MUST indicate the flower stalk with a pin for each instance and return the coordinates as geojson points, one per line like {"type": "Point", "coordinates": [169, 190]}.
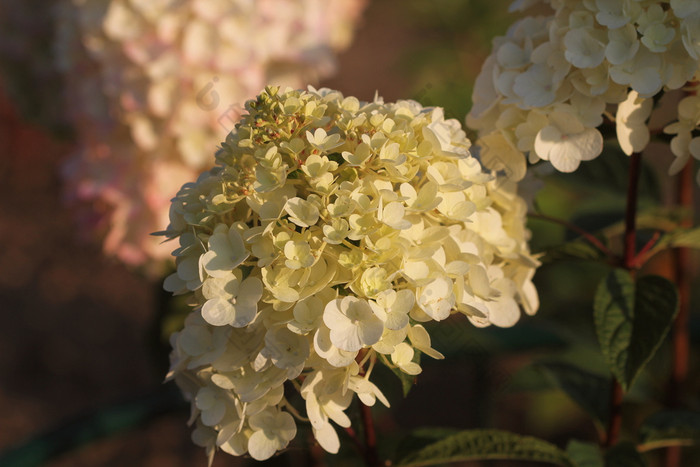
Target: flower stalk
{"type": "Point", "coordinates": [630, 239]}
{"type": "Point", "coordinates": [680, 342]}
{"type": "Point", "coordinates": [355, 440]}
{"type": "Point", "coordinates": [615, 416]}
{"type": "Point", "coordinates": [370, 447]}
{"type": "Point", "coordinates": [628, 262]}
{"type": "Point", "coordinates": [371, 455]}
{"type": "Point", "coordinates": [592, 239]}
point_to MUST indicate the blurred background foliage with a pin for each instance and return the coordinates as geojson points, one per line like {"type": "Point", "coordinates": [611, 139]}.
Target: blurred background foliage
{"type": "Point", "coordinates": [82, 332]}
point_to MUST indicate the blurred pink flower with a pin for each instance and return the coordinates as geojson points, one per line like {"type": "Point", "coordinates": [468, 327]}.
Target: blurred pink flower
{"type": "Point", "coordinates": [154, 86]}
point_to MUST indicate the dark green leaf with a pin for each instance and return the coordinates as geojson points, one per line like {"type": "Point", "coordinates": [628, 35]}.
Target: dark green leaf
{"type": "Point", "coordinates": [337, 158]}
{"type": "Point", "coordinates": [485, 444]}
{"type": "Point", "coordinates": [407, 381]}
{"type": "Point", "coordinates": [624, 454]}
{"type": "Point", "coordinates": [670, 427]}
{"type": "Point", "coordinates": [422, 437]}
{"type": "Point", "coordinates": [575, 250]}
{"type": "Point", "coordinates": [458, 338]}
{"type": "Point", "coordinates": [656, 218]}
{"type": "Point", "coordinates": [588, 390]}
{"type": "Point", "coordinates": [597, 220]}
{"type": "Point", "coordinates": [632, 320]}
{"type": "Point", "coordinates": [584, 454]}
{"type": "Point", "coordinates": [611, 173]}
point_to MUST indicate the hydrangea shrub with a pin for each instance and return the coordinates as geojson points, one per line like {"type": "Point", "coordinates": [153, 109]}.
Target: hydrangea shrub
{"type": "Point", "coordinates": [328, 233]}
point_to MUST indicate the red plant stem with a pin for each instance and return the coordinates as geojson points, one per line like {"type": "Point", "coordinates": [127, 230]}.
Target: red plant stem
{"type": "Point", "coordinates": [673, 456]}
{"type": "Point", "coordinates": [680, 341]}
{"type": "Point", "coordinates": [629, 263]}
{"type": "Point", "coordinates": [371, 455]}
{"type": "Point", "coordinates": [355, 441]}
{"type": "Point", "coordinates": [682, 272]}
{"type": "Point", "coordinates": [370, 449]}
{"type": "Point", "coordinates": [641, 254]}
{"type": "Point", "coordinates": [630, 239]}
{"type": "Point", "coordinates": [574, 228]}
{"type": "Point", "coordinates": [615, 415]}
{"type": "Point", "coordinates": [682, 268]}
{"type": "Point", "coordinates": [314, 456]}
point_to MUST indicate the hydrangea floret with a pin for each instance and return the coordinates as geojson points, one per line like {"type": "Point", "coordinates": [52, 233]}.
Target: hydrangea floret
{"type": "Point", "coordinates": [686, 130]}
{"type": "Point", "coordinates": [152, 86]}
{"type": "Point", "coordinates": [328, 233]}
{"type": "Point", "coordinates": [554, 78]}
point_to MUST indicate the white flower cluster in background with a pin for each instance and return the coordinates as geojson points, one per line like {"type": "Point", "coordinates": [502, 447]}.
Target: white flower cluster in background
{"type": "Point", "coordinates": [686, 142]}
{"type": "Point", "coordinates": [153, 84]}
{"type": "Point", "coordinates": [329, 230]}
{"type": "Point", "coordinates": [549, 82]}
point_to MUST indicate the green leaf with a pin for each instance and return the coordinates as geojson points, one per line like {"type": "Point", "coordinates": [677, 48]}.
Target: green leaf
{"type": "Point", "coordinates": [584, 454]}
{"type": "Point", "coordinates": [624, 454]}
{"type": "Point", "coordinates": [610, 173]}
{"type": "Point", "coordinates": [669, 427]}
{"type": "Point", "coordinates": [656, 218]}
{"type": "Point", "coordinates": [574, 250]}
{"type": "Point", "coordinates": [588, 390]}
{"type": "Point", "coordinates": [336, 157]}
{"type": "Point", "coordinates": [632, 320]}
{"type": "Point", "coordinates": [485, 444]}
{"type": "Point", "coordinates": [680, 238]}
{"type": "Point", "coordinates": [422, 437]}
{"type": "Point", "coordinates": [407, 381]}
{"type": "Point", "coordinates": [456, 337]}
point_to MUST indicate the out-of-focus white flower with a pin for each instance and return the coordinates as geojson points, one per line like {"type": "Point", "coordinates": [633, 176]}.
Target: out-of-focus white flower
{"type": "Point", "coordinates": [272, 431]}
{"type": "Point", "coordinates": [579, 60]}
{"type": "Point", "coordinates": [226, 251]}
{"type": "Point", "coordinates": [403, 356]}
{"type": "Point", "coordinates": [584, 48]}
{"type": "Point", "coordinates": [285, 348]}
{"type": "Point", "coordinates": [420, 339]}
{"type": "Point", "coordinates": [565, 142]}
{"type": "Point", "coordinates": [211, 403]}
{"type": "Point", "coordinates": [302, 212]}
{"type": "Point", "coordinates": [684, 144]}
{"type": "Point", "coordinates": [622, 44]}
{"type": "Point", "coordinates": [152, 86]}
{"type": "Point", "coordinates": [436, 298]}
{"type": "Point", "coordinates": [630, 122]}
{"type": "Point", "coordinates": [298, 254]}
{"type": "Point", "coordinates": [236, 307]}
{"type": "Point", "coordinates": [685, 8]}
{"type": "Point", "coordinates": [392, 308]}
{"type": "Point", "coordinates": [690, 35]}
{"type": "Point", "coordinates": [327, 396]}
{"type": "Point", "coordinates": [327, 230]}
{"type": "Point", "coordinates": [353, 324]}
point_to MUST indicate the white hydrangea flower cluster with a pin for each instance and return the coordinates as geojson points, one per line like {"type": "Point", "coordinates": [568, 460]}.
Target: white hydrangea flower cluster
{"type": "Point", "coordinates": [152, 83]}
{"type": "Point", "coordinates": [548, 83]}
{"type": "Point", "coordinates": [329, 230]}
